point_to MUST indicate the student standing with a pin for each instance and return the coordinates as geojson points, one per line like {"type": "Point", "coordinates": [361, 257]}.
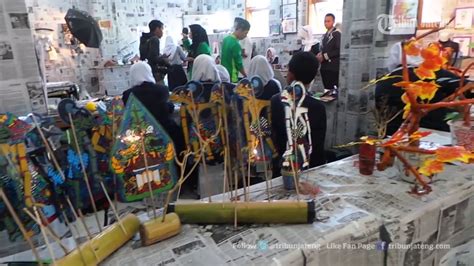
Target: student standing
{"type": "Point", "coordinates": [150, 50]}
{"type": "Point", "coordinates": [199, 46]}
{"type": "Point", "coordinates": [329, 55]}
{"type": "Point", "coordinates": [176, 75]}
{"type": "Point", "coordinates": [231, 53]}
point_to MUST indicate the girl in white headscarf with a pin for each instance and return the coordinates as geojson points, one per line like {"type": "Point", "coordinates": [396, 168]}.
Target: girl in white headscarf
{"type": "Point", "coordinates": [307, 39]}
{"type": "Point", "coordinates": [223, 73]}
{"type": "Point", "coordinates": [308, 43]}
{"type": "Point", "coordinates": [141, 72]}
{"type": "Point", "coordinates": [272, 56]}
{"type": "Point", "coordinates": [204, 69]}
{"type": "Point", "coordinates": [176, 75]}
{"type": "Point", "coordinates": [260, 67]}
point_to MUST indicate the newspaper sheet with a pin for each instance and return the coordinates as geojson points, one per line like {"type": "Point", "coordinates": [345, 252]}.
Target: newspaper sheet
{"type": "Point", "coordinates": [20, 85]}
{"type": "Point", "coordinates": [350, 210]}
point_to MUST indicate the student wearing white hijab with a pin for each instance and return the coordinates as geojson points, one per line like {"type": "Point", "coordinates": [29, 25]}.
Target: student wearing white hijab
{"type": "Point", "coordinates": [308, 43]}
{"type": "Point", "coordinates": [156, 100]}
{"type": "Point", "coordinates": [260, 67]}
{"type": "Point", "coordinates": [204, 69]}
{"type": "Point", "coordinates": [223, 73]}
{"type": "Point", "coordinates": [272, 56]}
{"type": "Point", "coordinates": [140, 73]}
{"type": "Point", "coordinates": [307, 39]}
{"type": "Point", "coordinates": [176, 75]}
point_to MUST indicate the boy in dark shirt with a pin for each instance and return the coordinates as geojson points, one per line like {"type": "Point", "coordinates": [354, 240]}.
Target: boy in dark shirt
{"type": "Point", "coordinates": [303, 67]}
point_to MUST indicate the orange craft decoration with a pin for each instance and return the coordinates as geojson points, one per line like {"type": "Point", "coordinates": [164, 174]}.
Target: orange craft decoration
{"type": "Point", "coordinates": [416, 97]}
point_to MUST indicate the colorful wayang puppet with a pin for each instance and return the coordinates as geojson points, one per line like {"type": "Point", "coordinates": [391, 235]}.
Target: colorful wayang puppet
{"type": "Point", "coordinates": [199, 114]}
{"type": "Point", "coordinates": [143, 155]}
{"type": "Point", "coordinates": [83, 186]}
{"type": "Point", "coordinates": [256, 124]}
{"type": "Point", "coordinates": [19, 177]}
{"type": "Point", "coordinates": [298, 130]}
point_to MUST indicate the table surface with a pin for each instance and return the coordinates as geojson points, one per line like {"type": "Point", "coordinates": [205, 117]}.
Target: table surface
{"type": "Point", "coordinates": [351, 208]}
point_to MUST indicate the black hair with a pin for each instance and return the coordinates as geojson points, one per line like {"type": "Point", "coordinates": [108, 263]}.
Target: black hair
{"type": "Point", "coordinates": [199, 35]}
{"type": "Point", "coordinates": [241, 24]}
{"type": "Point", "coordinates": [185, 31]}
{"type": "Point", "coordinates": [155, 24]}
{"type": "Point", "coordinates": [304, 66]}
{"type": "Point", "coordinates": [331, 15]}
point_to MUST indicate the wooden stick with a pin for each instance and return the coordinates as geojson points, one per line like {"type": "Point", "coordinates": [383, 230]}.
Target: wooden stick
{"type": "Point", "coordinates": [145, 160]}
{"type": "Point", "coordinates": [227, 170]}
{"type": "Point", "coordinates": [295, 180]}
{"type": "Point", "coordinates": [33, 202]}
{"type": "Point", "coordinates": [114, 210]}
{"type": "Point", "coordinates": [20, 225]}
{"type": "Point", "coordinates": [84, 172]}
{"type": "Point", "coordinates": [48, 231]}
{"type": "Point", "coordinates": [295, 146]}
{"type": "Point", "coordinates": [76, 242]}
{"type": "Point", "coordinates": [182, 165]}
{"type": "Point", "coordinates": [203, 158]}
{"type": "Point", "coordinates": [45, 237]}
{"type": "Point", "coordinates": [58, 168]}
{"type": "Point", "coordinates": [435, 30]}
{"type": "Point", "coordinates": [114, 137]}
{"type": "Point", "coordinates": [409, 166]}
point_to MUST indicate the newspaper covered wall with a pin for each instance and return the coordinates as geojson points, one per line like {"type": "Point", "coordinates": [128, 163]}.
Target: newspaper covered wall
{"type": "Point", "coordinates": [20, 84]}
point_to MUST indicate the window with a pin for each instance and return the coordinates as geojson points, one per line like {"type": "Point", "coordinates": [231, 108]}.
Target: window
{"type": "Point", "coordinates": [429, 14]}
{"type": "Point", "coordinates": [317, 11]}
{"type": "Point", "coordinates": [257, 13]}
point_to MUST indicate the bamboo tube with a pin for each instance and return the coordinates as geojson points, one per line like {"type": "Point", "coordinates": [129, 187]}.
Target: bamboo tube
{"type": "Point", "coordinates": [160, 229]}
{"type": "Point", "coordinates": [288, 212]}
{"type": "Point", "coordinates": [104, 244]}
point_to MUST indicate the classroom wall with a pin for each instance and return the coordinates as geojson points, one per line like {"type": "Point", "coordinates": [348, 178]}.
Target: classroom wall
{"type": "Point", "coordinates": [363, 54]}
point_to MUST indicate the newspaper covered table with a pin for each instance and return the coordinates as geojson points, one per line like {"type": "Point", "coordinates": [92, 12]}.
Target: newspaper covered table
{"type": "Point", "coordinates": [435, 229]}
{"type": "Point", "coordinates": [424, 230]}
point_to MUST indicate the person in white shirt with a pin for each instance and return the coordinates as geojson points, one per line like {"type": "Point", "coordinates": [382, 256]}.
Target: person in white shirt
{"type": "Point", "coordinates": [175, 55]}
{"type": "Point", "coordinates": [246, 45]}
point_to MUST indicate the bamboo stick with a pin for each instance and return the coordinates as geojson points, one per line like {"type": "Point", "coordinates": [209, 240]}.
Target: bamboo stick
{"type": "Point", "coordinates": [20, 226]}
{"type": "Point", "coordinates": [45, 237]}
{"type": "Point", "coordinates": [84, 171]}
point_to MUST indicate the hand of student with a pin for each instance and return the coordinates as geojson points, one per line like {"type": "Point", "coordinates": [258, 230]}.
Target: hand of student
{"type": "Point", "coordinates": [320, 58]}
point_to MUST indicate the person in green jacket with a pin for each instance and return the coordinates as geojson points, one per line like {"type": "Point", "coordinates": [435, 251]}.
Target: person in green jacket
{"type": "Point", "coordinates": [185, 42]}
{"type": "Point", "coordinates": [231, 53]}
{"type": "Point", "coordinates": [200, 45]}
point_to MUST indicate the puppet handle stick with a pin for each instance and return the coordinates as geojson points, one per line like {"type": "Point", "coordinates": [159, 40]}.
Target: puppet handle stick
{"type": "Point", "coordinates": [43, 232]}
{"type": "Point", "coordinates": [48, 231]}
{"type": "Point", "coordinates": [84, 172]}
{"type": "Point", "coordinates": [20, 225]}
{"type": "Point", "coordinates": [114, 210]}
{"type": "Point", "coordinates": [147, 174]}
